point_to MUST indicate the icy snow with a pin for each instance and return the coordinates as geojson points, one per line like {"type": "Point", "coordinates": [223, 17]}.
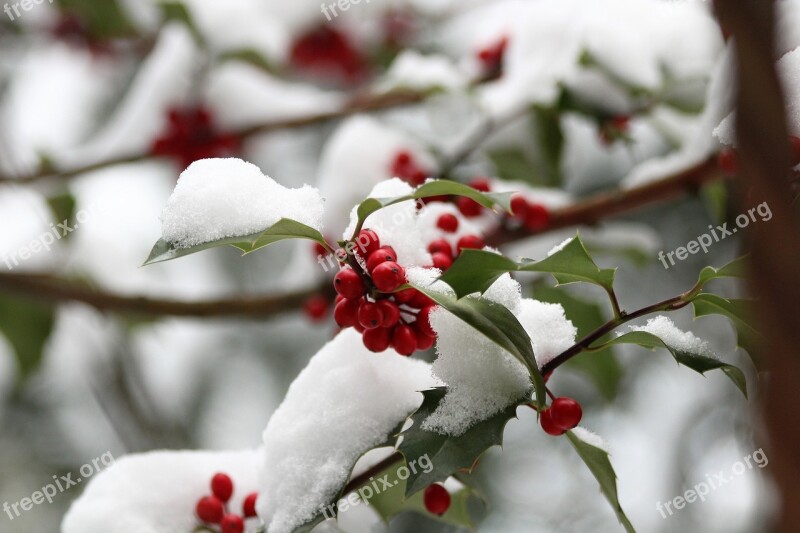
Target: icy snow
{"type": "Point", "coordinates": [590, 438]}
{"type": "Point", "coordinates": [412, 70]}
{"type": "Point", "coordinates": [549, 329]}
{"type": "Point", "coordinates": [219, 198]}
{"type": "Point", "coordinates": [156, 492]}
{"type": "Point", "coordinates": [345, 402]}
{"type": "Point", "coordinates": [686, 341]}
{"type": "Point", "coordinates": [558, 247]}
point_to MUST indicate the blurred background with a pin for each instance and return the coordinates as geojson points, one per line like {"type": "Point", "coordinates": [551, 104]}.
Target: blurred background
{"type": "Point", "coordinates": [104, 103]}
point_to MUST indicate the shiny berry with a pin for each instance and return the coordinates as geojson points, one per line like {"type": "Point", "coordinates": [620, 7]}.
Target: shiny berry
{"type": "Point", "coordinates": [440, 246]}
{"type": "Point", "coordinates": [388, 276]}
{"type": "Point", "coordinates": [420, 300]}
{"type": "Point", "coordinates": [481, 184]}
{"type": "Point", "coordinates": [316, 307]}
{"type": "Point", "coordinates": [423, 320]}
{"type": "Point", "coordinates": [447, 222]}
{"type": "Point", "coordinates": [370, 315]}
{"type": "Point", "coordinates": [519, 206]}
{"type": "Point", "coordinates": [210, 509]}
{"type": "Point", "coordinates": [249, 505]}
{"type": "Point", "coordinates": [368, 242]}
{"type": "Point", "coordinates": [728, 161]}
{"type": "Point", "coordinates": [404, 341]}
{"type": "Point", "coordinates": [548, 424]}
{"type": "Point", "coordinates": [424, 341]}
{"type": "Point", "coordinates": [469, 207]}
{"type": "Point", "coordinates": [232, 523]}
{"type": "Point", "coordinates": [437, 499]}
{"type": "Point", "coordinates": [381, 255]}
{"type": "Point", "coordinates": [566, 413]}
{"type": "Point", "coordinates": [349, 284]}
{"type": "Point", "coordinates": [537, 218]}
{"type": "Point", "coordinates": [222, 487]}
{"type": "Point", "coordinates": [377, 340]}
{"type": "Point", "coordinates": [441, 261]}
{"type": "Point", "coordinates": [470, 241]}
{"type": "Point", "coordinates": [391, 313]}
{"type": "Point", "coordinates": [404, 296]}
{"type": "Point", "coordinates": [346, 312]}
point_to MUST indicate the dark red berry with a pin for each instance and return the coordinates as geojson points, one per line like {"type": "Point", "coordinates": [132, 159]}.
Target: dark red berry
{"type": "Point", "coordinates": [447, 222]}
{"type": "Point", "coordinates": [249, 505]}
{"type": "Point", "coordinates": [210, 509]}
{"type": "Point", "coordinates": [423, 341]}
{"type": "Point", "coordinates": [370, 315]}
{"type": "Point", "coordinates": [377, 340]}
{"type": "Point", "coordinates": [319, 250]}
{"type": "Point", "coordinates": [481, 184]}
{"type": "Point", "coordinates": [328, 53]}
{"type": "Point", "coordinates": [565, 413]}
{"type": "Point", "coordinates": [404, 341]}
{"type": "Point", "coordinates": [349, 284]}
{"type": "Point", "coordinates": [437, 499]}
{"type": "Point", "coordinates": [442, 261]}
{"type": "Point", "coordinates": [222, 487]}
{"type": "Point", "coordinates": [491, 58]}
{"type": "Point", "coordinates": [346, 312]}
{"type": "Point", "coordinates": [367, 242]}
{"type": "Point", "coordinates": [519, 206]}
{"type": "Point", "coordinates": [391, 313]}
{"type": "Point", "coordinates": [423, 320]}
{"type": "Point", "coordinates": [232, 523]}
{"type": "Point", "coordinates": [470, 241]}
{"type": "Point", "coordinates": [316, 307]}
{"type": "Point", "coordinates": [406, 168]}
{"type": "Point", "coordinates": [728, 161]}
{"type": "Point", "coordinates": [469, 207]}
{"type": "Point", "coordinates": [404, 296]}
{"type": "Point", "coordinates": [381, 255]}
{"type": "Point", "coordinates": [388, 276]}
{"type": "Point", "coordinates": [420, 300]}
{"type": "Point", "coordinates": [548, 424]}
{"type": "Point", "coordinates": [440, 246]}
{"type": "Point", "coordinates": [537, 217]}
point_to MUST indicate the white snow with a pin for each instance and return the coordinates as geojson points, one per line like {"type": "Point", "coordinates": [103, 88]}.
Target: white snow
{"type": "Point", "coordinates": [219, 198]}
{"type": "Point", "coordinates": [344, 403]}
{"type": "Point", "coordinates": [156, 492]}
{"type": "Point", "coordinates": [558, 247]}
{"type": "Point", "coordinates": [549, 329]}
{"type": "Point", "coordinates": [412, 70]}
{"type": "Point", "coordinates": [590, 438]}
{"type": "Point", "coordinates": [686, 341]}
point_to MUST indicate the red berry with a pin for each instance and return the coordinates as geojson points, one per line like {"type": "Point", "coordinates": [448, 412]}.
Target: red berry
{"type": "Point", "coordinates": [437, 499]}
{"type": "Point", "coordinates": [370, 315]}
{"type": "Point", "coordinates": [391, 313]}
{"type": "Point", "coordinates": [403, 340]}
{"type": "Point", "coordinates": [423, 341]}
{"type": "Point", "coordinates": [349, 284]}
{"type": "Point", "coordinates": [440, 246]}
{"type": "Point", "coordinates": [447, 222]}
{"type": "Point", "coordinates": [232, 523]}
{"type": "Point", "coordinates": [388, 276]}
{"type": "Point", "coordinates": [565, 413]}
{"type": "Point", "coordinates": [368, 242]}
{"type": "Point", "coordinates": [319, 250]}
{"type": "Point", "coordinates": [621, 122]}
{"type": "Point", "coordinates": [404, 296]}
{"type": "Point", "coordinates": [537, 217]}
{"type": "Point", "coordinates": [442, 261]}
{"type": "Point", "coordinates": [728, 161]}
{"type": "Point", "coordinates": [346, 312]}
{"type": "Point", "coordinates": [423, 320]}
{"type": "Point", "coordinates": [376, 340]}
{"type": "Point", "coordinates": [222, 486]}
{"type": "Point", "coordinates": [470, 241]}
{"type": "Point", "coordinates": [316, 307]}
{"type": "Point", "coordinates": [249, 505]}
{"type": "Point", "coordinates": [469, 207]}
{"type": "Point", "coordinates": [519, 206]}
{"type": "Point", "coordinates": [379, 256]}
{"type": "Point", "coordinates": [794, 144]}
{"type": "Point", "coordinates": [358, 327]}
{"type": "Point", "coordinates": [210, 509]}
{"type": "Point", "coordinates": [420, 300]}
{"type": "Point", "coordinates": [548, 424]}
{"type": "Point", "coordinates": [481, 184]}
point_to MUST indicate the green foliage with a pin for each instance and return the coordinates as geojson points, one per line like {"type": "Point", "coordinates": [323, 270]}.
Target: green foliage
{"type": "Point", "coordinates": [62, 206]}
{"type": "Point", "coordinates": [105, 20]}
{"type": "Point", "coordinates": [740, 314]}
{"type": "Point", "coordinates": [734, 269]}
{"type": "Point", "coordinates": [27, 326]}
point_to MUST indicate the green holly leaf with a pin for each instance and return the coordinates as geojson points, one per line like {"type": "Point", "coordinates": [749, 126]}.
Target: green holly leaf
{"type": "Point", "coordinates": [27, 326]}
{"type": "Point", "coordinates": [283, 229]}
{"type": "Point", "coordinates": [476, 271]}
{"type": "Point", "coordinates": [436, 188]}
{"type": "Point", "coordinates": [596, 459]}
{"type": "Point", "coordinates": [500, 326]}
{"type": "Point", "coordinates": [740, 314]}
{"type": "Point", "coordinates": [511, 164]}
{"type": "Point", "coordinates": [734, 269]}
{"type": "Point", "coordinates": [393, 501]}
{"type": "Point", "coordinates": [548, 131]}
{"type": "Point", "coordinates": [572, 264]}
{"type": "Point", "coordinates": [698, 362]}
{"type": "Point", "coordinates": [447, 454]}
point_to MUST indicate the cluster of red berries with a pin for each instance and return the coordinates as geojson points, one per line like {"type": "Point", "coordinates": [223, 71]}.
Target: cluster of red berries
{"type": "Point", "coordinates": [212, 509]}
{"type": "Point", "coordinates": [614, 129]}
{"type": "Point", "coordinates": [405, 167]}
{"type": "Point", "coordinates": [436, 499]}
{"type": "Point", "coordinates": [191, 135]}
{"type": "Point", "coordinates": [562, 415]}
{"type": "Point", "coordinates": [491, 59]}
{"type": "Point", "coordinates": [326, 52]}
{"type": "Point", "coordinates": [728, 159]}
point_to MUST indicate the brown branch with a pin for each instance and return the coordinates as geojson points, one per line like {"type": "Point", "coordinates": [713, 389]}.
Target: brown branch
{"type": "Point", "coordinates": [356, 105]}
